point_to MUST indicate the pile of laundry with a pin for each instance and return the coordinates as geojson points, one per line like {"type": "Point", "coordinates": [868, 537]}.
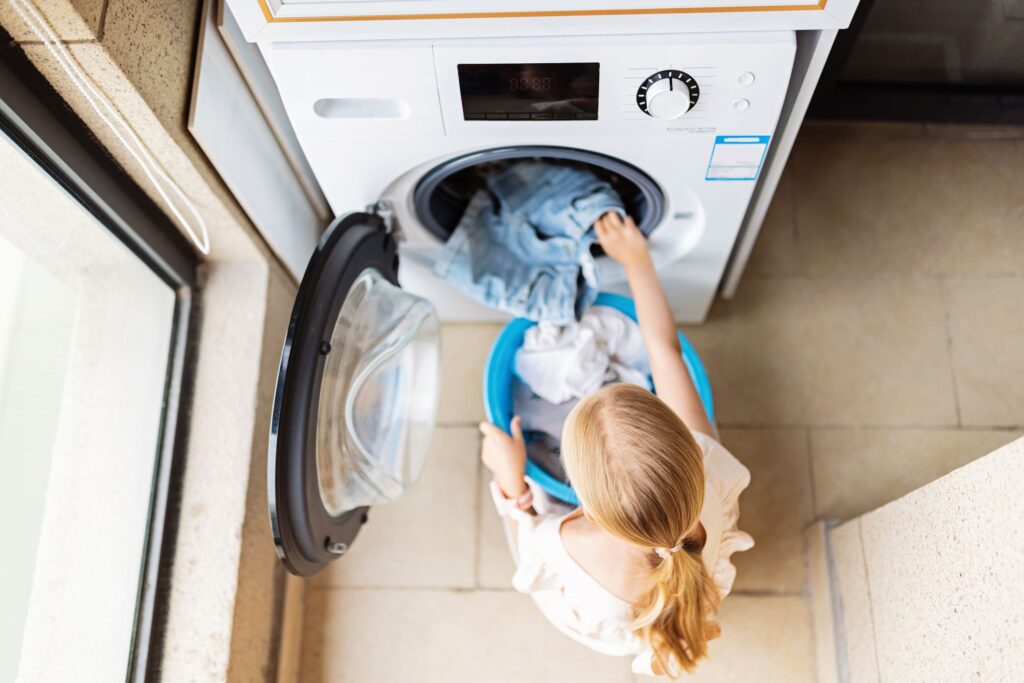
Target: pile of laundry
{"type": "Point", "coordinates": [523, 244]}
{"type": "Point", "coordinates": [558, 365]}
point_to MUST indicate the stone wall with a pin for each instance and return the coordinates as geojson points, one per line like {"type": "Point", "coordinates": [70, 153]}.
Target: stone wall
{"type": "Point", "coordinates": [930, 586]}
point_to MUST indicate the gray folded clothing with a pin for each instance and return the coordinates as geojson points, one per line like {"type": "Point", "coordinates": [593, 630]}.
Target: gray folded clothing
{"type": "Point", "coordinates": [545, 452]}
{"type": "Point", "coordinates": [537, 414]}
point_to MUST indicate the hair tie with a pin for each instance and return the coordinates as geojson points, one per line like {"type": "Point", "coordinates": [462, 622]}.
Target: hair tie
{"type": "Point", "coordinates": [665, 553]}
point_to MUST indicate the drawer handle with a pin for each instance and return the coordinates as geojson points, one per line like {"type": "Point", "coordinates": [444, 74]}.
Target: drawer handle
{"type": "Point", "coordinates": [361, 108]}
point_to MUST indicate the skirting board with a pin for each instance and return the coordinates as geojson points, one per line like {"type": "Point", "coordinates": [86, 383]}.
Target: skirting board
{"type": "Point", "coordinates": [824, 603]}
{"type": "Point", "coordinates": [289, 658]}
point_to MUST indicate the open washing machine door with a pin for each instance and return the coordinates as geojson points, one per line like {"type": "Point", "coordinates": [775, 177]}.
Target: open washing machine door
{"type": "Point", "coordinates": [356, 398]}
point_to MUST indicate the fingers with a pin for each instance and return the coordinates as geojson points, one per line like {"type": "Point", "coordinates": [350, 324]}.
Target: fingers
{"type": "Point", "coordinates": [487, 429]}
{"type": "Point", "coordinates": [611, 223]}
{"type": "Point", "coordinates": [517, 428]}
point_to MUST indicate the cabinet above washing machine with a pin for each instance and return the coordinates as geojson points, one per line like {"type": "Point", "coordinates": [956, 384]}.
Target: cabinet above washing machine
{"type": "Point", "coordinates": [314, 20]}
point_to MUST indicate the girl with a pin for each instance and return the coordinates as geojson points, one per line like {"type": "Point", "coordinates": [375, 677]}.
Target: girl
{"type": "Point", "coordinates": [640, 567]}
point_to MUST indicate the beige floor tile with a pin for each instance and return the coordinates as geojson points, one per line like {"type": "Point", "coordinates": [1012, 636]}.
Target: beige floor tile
{"type": "Point", "coordinates": [858, 629]}
{"type": "Point", "coordinates": [764, 639]}
{"type": "Point", "coordinates": [427, 537]}
{"type": "Point", "coordinates": [973, 132]}
{"type": "Point", "coordinates": [495, 566]}
{"type": "Point", "coordinates": [986, 326]}
{"type": "Point", "coordinates": [774, 509]}
{"type": "Point", "coordinates": [419, 636]}
{"type": "Point", "coordinates": [908, 206]}
{"type": "Point", "coordinates": [826, 132]}
{"type": "Point", "coordinates": [830, 351]}
{"type": "Point", "coordinates": [775, 251]}
{"type": "Point", "coordinates": [464, 350]}
{"type": "Point", "coordinates": [859, 470]}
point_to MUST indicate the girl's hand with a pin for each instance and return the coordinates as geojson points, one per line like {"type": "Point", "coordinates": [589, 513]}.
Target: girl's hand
{"type": "Point", "coordinates": [622, 240]}
{"type": "Point", "coordinates": [505, 457]}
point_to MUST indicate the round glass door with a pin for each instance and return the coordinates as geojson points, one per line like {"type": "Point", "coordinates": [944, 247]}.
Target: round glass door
{"type": "Point", "coordinates": [356, 395]}
{"type": "Point", "coordinates": [378, 396]}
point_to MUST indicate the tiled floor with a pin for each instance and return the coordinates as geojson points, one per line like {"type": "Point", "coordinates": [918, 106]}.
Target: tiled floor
{"type": "Point", "coordinates": [874, 345]}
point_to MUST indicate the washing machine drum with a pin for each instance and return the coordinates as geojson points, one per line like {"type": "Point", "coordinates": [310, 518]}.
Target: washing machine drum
{"type": "Point", "coordinates": [441, 196]}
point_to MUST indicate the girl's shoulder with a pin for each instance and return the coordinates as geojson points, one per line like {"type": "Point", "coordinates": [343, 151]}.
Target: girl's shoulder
{"type": "Point", "coordinates": [721, 467]}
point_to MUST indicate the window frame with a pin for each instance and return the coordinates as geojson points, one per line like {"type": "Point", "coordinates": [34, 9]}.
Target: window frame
{"type": "Point", "coordinates": [38, 121]}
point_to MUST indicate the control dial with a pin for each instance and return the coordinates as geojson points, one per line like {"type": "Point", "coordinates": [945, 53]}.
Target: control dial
{"type": "Point", "coordinates": [668, 94]}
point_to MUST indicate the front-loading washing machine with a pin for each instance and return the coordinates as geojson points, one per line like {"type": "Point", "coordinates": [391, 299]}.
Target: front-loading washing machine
{"type": "Point", "coordinates": [680, 123]}
{"type": "Point", "coordinates": [397, 134]}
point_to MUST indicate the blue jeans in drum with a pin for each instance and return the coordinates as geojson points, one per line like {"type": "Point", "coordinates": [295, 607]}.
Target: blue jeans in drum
{"type": "Point", "coordinates": [523, 245]}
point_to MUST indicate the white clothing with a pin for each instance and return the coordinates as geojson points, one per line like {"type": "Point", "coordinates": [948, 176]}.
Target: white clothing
{"type": "Point", "coordinates": [562, 362]}
{"type": "Point", "coordinates": [574, 601]}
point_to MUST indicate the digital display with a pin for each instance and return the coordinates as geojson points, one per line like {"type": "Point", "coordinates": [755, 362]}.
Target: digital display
{"type": "Point", "coordinates": [529, 92]}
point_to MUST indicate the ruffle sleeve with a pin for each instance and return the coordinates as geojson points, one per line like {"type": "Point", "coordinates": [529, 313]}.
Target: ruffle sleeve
{"type": "Point", "coordinates": [533, 573]}
{"type": "Point", "coordinates": [727, 478]}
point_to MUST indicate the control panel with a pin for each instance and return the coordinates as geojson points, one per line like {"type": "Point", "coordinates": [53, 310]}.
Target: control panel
{"type": "Point", "coordinates": [565, 88]}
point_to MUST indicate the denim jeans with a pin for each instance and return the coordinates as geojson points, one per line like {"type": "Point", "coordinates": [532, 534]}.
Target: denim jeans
{"type": "Point", "coordinates": [523, 245]}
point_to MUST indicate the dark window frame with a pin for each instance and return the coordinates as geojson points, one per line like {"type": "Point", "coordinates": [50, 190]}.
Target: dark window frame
{"type": "Point", "coordinates": [36, 119]}
{"type": "Point", "coordinates": [835, 98]}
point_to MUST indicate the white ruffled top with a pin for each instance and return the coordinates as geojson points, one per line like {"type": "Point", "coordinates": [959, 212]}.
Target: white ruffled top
{"type": "Point", "coordinates": [574, 601]}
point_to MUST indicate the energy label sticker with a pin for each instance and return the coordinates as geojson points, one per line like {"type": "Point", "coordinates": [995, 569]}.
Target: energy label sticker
{"type": "Point", "coordinates": [737, 157]}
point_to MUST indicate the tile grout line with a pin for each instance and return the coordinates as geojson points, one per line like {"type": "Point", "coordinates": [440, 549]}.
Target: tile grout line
{"type": "Point", "coordinates": [766, 593]}
{"type": "Point", "coordinates": [887, 275]}
{"type": "Point", "coordinates": [478, 511]}
{"type": "Point", "coordinates": [462, 590]}
{"type": "Point", "coordinates": [834, 426]}
{"type": "Point", "coordinates": [949, 352]}
{"type": "Point", "coordinates": [869, 427]}
{"type": "Point", "coordinates": [806, 549]}
{"type": "Point", "coordinates": [810, 474]}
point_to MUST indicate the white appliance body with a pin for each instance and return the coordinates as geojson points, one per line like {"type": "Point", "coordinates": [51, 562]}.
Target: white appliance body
{"type": "Point", "coordinates": [374, 117]}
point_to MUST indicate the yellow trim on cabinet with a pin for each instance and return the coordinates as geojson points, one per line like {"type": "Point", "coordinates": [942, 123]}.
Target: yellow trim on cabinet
{"type": "Point", "coordinates": [271, 19]}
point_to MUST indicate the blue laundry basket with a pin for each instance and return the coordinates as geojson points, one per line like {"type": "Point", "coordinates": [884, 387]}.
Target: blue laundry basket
{"type": "Point", "coordinates": [500, 371]}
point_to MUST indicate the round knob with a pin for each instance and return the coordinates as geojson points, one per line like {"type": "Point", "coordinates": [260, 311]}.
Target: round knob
{"type": "Point", "coordinates": [668, 94]}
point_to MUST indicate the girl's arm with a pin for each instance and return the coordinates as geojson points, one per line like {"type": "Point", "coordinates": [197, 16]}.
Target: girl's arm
{"type": "Point", "coordinates": [623, 241]}
{"type": "Point", "coordinates": [505, 456]}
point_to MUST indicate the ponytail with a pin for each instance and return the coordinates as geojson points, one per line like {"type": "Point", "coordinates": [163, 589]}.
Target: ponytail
{"type": "Point", "coordinates": [675, 617]}
{"type": "Point", "coordinates": [640, 475]}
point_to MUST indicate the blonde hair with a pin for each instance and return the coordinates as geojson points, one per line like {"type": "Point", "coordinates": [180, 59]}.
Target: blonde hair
{"type": "Point", "coordinates": [639, 474]}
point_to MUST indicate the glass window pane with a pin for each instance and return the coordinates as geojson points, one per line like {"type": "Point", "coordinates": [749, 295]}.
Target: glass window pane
{"type": "Point", "coordinates": [85, 340]}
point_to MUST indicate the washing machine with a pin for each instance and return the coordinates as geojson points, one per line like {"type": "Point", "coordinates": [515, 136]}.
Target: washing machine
{"type": "Point", "coordinates": [399, 135]}
{"type": "Point", "coordinates": [679, 123]}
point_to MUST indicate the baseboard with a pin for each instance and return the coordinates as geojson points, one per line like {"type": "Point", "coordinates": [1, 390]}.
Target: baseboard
{"type": "Point", "coordinates": [290, 648]}
{"type": "Point", "coordinates": [824, 601]}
